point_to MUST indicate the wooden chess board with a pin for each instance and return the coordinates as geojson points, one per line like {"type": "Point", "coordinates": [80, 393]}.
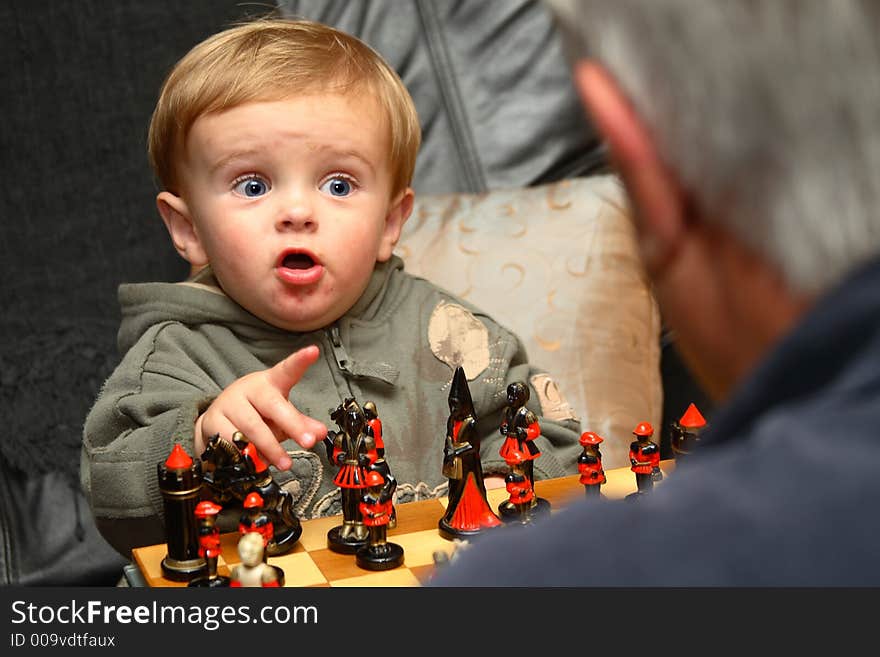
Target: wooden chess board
{"type": "Point", "coordinates": [312, 564]}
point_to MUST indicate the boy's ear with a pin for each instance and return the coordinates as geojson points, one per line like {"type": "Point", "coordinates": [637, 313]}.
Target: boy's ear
{"type": "Point", "coordinates": [183, 233]}
{"type": "Point", "coordinates": [398, 213]}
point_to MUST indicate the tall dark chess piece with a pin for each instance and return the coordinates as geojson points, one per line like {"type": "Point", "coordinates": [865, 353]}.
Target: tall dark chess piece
{"type": "Point", "coordinates": [590, 464]}
{"type": "Point", "coordinates": [686, 432]}
{"type": "Point", "coordinates": [180, 482]}
{"type": "Point", "coordinates": [375, 508]}
{"type": "Point", "coordinates": [348, 448]}
{"type": "Point", "coordinates": [644, 455]}
{"type": "Point", "coordinates": [468, 511]}
{"type": "Point", "coordinates": [209, 544]}
{"type": "Point", "coordinates": [520, 428]}
{"type": "Point", "coordinates": [378, 462]}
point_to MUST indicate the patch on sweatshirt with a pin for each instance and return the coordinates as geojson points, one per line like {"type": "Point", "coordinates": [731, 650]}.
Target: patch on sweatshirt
{"type": "Point", "coordinates": [553, 404]}
{"type": "Point", "coordinates": [458, 338]}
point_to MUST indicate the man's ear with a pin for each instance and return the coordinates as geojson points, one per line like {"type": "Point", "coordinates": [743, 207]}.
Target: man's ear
{"type": "Point", "coordinates": [178, 221]}
{"type": "Point", "coordinates": [398, 213]}
{"type": "Point", "coordinates": [659, 205]}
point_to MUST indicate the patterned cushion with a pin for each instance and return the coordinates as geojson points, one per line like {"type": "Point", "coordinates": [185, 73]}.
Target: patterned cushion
{"type": "Point", "coordinates": [558, 265]}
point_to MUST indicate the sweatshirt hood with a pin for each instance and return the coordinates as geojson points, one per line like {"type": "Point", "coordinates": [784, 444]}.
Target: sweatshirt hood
{"type": "Point", "coordinates": [200, 300]}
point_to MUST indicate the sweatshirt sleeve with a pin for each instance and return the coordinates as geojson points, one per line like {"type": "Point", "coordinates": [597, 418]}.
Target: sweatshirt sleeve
{"type": "Point", "coordinates": [149, 403]}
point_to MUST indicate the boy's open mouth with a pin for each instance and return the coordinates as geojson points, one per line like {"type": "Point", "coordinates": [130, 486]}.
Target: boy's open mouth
{"type": "Point", "coordinates": [298, 261]}
{"type": "Point", "coordinates": [296, 267]}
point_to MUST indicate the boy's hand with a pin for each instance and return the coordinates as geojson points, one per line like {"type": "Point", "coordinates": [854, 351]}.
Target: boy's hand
{"type": "Point", "coordinates": [257, 404]}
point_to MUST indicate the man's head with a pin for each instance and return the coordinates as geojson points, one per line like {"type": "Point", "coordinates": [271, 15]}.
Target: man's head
{"type": "Point", "coordinates": [285, 150]}
{"type": "Point", "coordinates": [748, 138]}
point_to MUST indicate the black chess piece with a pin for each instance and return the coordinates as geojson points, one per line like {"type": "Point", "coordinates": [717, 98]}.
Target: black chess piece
{"type": "Point", "coordinates": [180, 482]}
{"type": "Point", "coordinates": [468, 511]}
{"type": "Point", "coordinates": [348, 448]}
{"type": "Point", "coordinates": [521, 506]}
{"type": "Point", "coordinates": [644, 457]}
{"type": "Point", "coordinates": [232, 470]}
{"type": "Point", "coordinates": [375, 508]}
{"type": "Point", "coordinates": [685, 434]}
{"type": "Point", "coordinates": [590, 465]}
{"type": "Point", "coordinates": [520, 428]}
{"type": "Point", "coordinates": [209, 545]}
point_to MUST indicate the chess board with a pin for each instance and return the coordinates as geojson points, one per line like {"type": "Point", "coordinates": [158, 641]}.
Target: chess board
{"type": "Point", "coordinates": [312, 564]}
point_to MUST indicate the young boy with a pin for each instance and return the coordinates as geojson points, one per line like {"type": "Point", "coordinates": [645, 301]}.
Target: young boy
{"type": "Point", "coordinates": [285, 150]}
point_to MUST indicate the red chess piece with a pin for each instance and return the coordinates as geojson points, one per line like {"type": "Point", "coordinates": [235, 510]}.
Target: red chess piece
{"type": "Point", "coordinates": [375, 508]}
{"type": "Point", "coordinates": [644, 455]}
{"type": "Point", "coordinates": [209, 544]}
{"type": "Point", "coordinates": [255, 519]}
{"type": "Point", "coordinates": [590, 464]}
{"type": "Point", "coordinates": [374, 427]}
{"type": "Point", "coordinates": [686, 432]}
{"type": "Point", "coordinates": [518, 486]}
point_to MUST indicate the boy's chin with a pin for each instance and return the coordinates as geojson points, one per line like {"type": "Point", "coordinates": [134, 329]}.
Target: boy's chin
{"type": "Point", "coordinates": [305, 322]}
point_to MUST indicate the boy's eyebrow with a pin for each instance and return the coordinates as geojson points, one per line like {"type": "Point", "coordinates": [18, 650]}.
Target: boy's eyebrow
{"type": "Point", "coordinates": [235, 155]}
{"type": "Point", "coordinates": [252, 152]}
{"type": "Point", "coordinates": [343, 152]}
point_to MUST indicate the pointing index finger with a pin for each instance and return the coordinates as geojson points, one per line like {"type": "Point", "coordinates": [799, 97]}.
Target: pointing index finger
{"type": "Point", "coordinates": [289, 371]}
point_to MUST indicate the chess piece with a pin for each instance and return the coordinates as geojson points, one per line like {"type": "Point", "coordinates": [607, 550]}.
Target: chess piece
{"type": "Point", "coordinates": [375, 508]}
{"type": "Point", "coordinates": [232, 470]}
{"type": "Point", "coordinates": [644, 455]}
{"type": "Point", "coordinates": [378, 462]}
{"type": "Point", "coordinates": [374, 427]}
{"type": "Point", "coordinates": [467, 511]}
{"type": "Point", "coordinates": [520, 428]}
{"type": "Point", "coordinates": [521, 493]}
{"type": "Point", "coordinates": [180, 482]}
{"type": "Point", "coordinates": [348, 448]}
{"type": "Point", "coordinates": [442, 558]}
{"type": "Point", "coordinates": [686, 432]}
{"type": "Point", "coordinates": [253, 571]}
{"type": "Point", "coordinates": [590, 464]}
{"type": "Point", "coordinates": [209, 544]}
{"type": "Point", "coordinates": [255, 519]}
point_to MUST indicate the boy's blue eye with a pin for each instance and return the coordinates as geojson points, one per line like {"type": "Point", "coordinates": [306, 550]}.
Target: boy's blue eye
{"type": "Point", "coordinates": [337, 186]}
{"type": "Point", "coordinates": [251, 187]}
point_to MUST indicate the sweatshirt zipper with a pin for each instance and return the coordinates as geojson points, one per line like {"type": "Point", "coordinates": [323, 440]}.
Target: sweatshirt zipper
{"type": "Point", "coordinates": [339, 353]}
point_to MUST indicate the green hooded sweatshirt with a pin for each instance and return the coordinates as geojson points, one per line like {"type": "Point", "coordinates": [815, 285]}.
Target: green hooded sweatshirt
{"type": "Point", "coordinates": [183, 343]}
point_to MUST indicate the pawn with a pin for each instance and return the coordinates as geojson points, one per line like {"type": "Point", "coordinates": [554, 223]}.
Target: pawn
{"type": "Point", "coordinates": [209, 544]}
{"type": "Point", "coordinates": [253, 571]}
{"type": "Point", "coordinates": [378, 553]}
{"type": "Point", "coordinates": [644, 455]}
{"type": "Point", "coordinates": [378, 462]}
{"type": "Point", "coordinates": [590, 465]}
{"type": "Point", "coordinates": [523, 505]}
{"type": "Point", "coordinates": [255, 520]}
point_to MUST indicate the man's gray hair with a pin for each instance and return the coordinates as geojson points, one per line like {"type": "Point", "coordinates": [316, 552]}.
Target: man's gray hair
{"type": "Point", "coordinates": [768, 111]}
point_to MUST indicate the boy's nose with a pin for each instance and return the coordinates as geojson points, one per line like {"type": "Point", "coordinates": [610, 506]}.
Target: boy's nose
{"type": "Point", "coordinates": [296, 217]}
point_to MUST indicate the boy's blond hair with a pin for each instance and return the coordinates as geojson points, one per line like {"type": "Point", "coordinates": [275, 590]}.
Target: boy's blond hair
{"type": "Point", "coordinates": [272, 59]}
